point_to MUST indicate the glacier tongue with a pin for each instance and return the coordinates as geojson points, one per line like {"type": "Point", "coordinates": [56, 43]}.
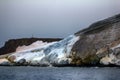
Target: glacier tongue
{"type": "Point", "coordinates": [50, 53]}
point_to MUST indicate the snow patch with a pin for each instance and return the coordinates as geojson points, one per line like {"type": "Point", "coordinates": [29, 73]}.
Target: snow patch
{"type": "Point", "coordinates": [115, 47]}
{"type": "Point", "coordinates": [37, 44]}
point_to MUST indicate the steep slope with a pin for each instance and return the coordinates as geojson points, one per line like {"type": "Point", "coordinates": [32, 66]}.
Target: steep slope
{"type": "Point", "coordinates": [98, 40]}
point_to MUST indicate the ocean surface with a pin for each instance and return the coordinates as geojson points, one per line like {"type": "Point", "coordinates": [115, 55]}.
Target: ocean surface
{"type": "Point", "coordinates": [59, 73]}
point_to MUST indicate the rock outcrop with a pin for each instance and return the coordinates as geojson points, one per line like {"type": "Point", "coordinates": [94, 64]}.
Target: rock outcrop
{"type": "Point", "coordinates": [99, 42]}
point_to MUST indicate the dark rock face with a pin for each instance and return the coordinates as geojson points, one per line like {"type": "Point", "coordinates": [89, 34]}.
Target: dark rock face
{"type": "Point", "coordinates": [100, 35]}
{"type": "Point", "coordinates": [11, 45]}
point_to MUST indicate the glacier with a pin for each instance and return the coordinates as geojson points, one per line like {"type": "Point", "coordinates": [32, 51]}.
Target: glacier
{"type": "Point", "coordinates": [53, 53]}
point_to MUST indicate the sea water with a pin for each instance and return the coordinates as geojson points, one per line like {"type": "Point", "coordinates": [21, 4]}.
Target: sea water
{"type": "Point", "coordinates": [59, 73]}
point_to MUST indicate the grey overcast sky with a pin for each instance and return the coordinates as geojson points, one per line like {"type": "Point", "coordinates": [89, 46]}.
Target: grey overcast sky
{"type": "Point", "coordinates": [51, 18]}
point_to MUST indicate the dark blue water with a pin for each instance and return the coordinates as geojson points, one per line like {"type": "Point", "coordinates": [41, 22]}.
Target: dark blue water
{"type": "Point", "coordinates": [61, 73]}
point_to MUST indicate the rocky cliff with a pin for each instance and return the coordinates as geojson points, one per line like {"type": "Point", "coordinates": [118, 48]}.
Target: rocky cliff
{"type": "Point", "coordinates": [98, 44]}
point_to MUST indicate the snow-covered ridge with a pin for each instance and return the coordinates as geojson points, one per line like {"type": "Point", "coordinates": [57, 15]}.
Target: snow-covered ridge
{"type": "Point", "coordinates": [40, 53]}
